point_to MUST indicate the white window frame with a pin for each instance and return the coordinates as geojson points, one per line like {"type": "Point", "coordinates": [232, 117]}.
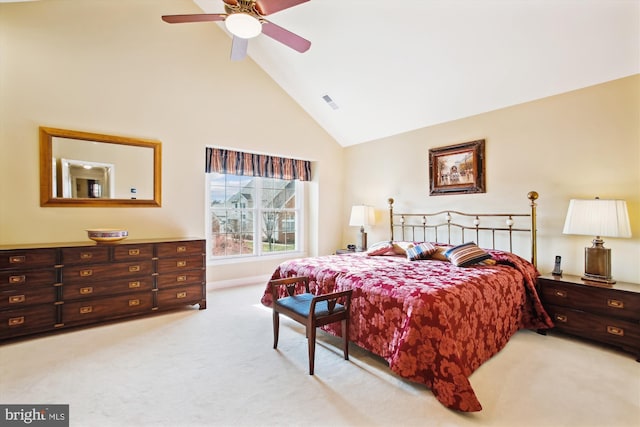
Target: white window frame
{"type": "Point", "coordinates": [299, 209]}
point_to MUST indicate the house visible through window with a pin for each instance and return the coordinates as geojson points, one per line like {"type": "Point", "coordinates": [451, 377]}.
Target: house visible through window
{"type": "Point", "coordinates": [254, 203]}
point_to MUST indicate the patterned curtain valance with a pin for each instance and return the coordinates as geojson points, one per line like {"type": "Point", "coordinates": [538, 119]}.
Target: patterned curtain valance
{"type": "Point", "coordinates": [238, 163]}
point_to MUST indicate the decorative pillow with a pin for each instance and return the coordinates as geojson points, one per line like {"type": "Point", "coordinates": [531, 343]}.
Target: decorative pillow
{"type": "Point", "coordinates": [421, 251]}
{"type": "Point", "coordinates": [466, 254]}
{"type": "Point", "coordinates": [400, 248]}
{"type": "Point", "coordinates": [439, 253]}
{"type": "Point", "coordinates": [381, 248]}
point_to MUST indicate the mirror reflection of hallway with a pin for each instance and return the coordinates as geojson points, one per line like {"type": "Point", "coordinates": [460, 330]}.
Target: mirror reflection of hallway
{"type": "Point", "coordinates": [87, 188]}
{"type": "Point", "coordinates": [88, 180]}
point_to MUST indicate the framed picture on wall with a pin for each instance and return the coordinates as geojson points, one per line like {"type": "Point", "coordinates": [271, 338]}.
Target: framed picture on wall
{"type": "Point", "coordinates": [457, 169]}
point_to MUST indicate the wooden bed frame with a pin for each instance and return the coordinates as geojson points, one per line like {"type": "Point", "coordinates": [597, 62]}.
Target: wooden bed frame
{"type": "Point", "coordinates": [426, 226]}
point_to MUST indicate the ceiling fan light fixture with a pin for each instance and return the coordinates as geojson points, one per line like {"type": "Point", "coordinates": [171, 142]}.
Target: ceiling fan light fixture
{"type": "Point", "coordinates": [243, 25]}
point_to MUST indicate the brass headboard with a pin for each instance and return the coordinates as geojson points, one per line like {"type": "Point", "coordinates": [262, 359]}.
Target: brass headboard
{"type": "Point", "coordinates": [417, 227]}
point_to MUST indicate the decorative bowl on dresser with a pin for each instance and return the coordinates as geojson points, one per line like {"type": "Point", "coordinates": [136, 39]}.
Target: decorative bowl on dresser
{"type": "Point", "coordinates": [54, 286]}
{"type": "Point", "coordinates": [607, 313]}
{"type": "Point", "coordinates": [107, 235]}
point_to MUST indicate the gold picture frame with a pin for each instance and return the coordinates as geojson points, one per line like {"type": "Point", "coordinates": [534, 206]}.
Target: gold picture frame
{"type": "Point", "coordinates": [457, 169]}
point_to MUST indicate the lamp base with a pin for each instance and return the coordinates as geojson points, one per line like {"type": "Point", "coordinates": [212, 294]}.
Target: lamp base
{"type": "Point", "coordinates": [363, 241]}
{"type": "Point", "coordinates": [597, 263]}
{"type": "Point", "coordinates": [598, 279]}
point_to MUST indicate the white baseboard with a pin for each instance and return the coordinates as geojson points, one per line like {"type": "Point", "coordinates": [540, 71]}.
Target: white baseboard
{"type": "Point", "coordinates": [243, 281]}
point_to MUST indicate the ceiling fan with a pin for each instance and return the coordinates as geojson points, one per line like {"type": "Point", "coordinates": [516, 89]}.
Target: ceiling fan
{"type": "Point", "coordinates": [245, 19]}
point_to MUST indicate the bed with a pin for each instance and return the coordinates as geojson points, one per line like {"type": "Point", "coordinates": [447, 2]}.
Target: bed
{"type": "Point", "coordinates": [434, 317]}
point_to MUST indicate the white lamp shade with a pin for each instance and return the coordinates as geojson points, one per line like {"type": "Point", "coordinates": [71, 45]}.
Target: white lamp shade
{"type": "Point", "coordinates": [362, 215]}
{"type": "Point", "coordinates": [243, 25]}
{"type": "Point", "coordinates": [597, 217]}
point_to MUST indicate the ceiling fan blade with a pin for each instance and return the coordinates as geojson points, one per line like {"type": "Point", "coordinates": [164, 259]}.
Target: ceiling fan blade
{"type": "Point", "coordinates": [200, 17]}
{"type": "Point", "coordinates": [267, 7]}
{"type": "Point", "coordinates": [286, 37]}
{"type": "Point", "coordinates": [239, 48]}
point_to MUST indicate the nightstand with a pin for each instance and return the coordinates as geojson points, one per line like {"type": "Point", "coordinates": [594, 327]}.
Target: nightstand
{"type": "Point", "coordinates": [346, 251]}
{"type": "Point", "coordinates": [601, 312]}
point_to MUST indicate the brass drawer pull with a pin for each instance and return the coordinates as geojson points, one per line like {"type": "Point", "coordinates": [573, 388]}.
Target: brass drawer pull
{"type": "Point", "coordinates": [181, 278]}
{"type": "Point", "coordinates": [135, 284]}
{"type": "Point", "coordinates": [181, 295]}
{"type": "Point", "coordinates": [86, 309]}
{"type": "Point", "coordinates": [86, 291]}
{"type": "Point", "coordinates": [16, 299]}
{"type": "Point", "coordinates": [559, 293]}
{"type": "Point", "coordinates": [134, 268]}
{"type": "Point", "coordinates": [86, 273]}
{"type": "Point", "coordinates": [15, 280]}
{"type": "Point", "coordinates": [181, 249]}
{"type": "Point", "coordinates": [134, 302]}
{"type": "Point", "coordinates": [134, 252]}
{"type": "Point", "coordinates": [18, 259]}
{"type": "Point", "coordinates": [86, 255]}
{"type": "Point", "coordinates": [614, 303]}
{"type": "Point", "coordinates": [614, 330]}
{"type": "Point", "coordinates": [181, 263]}
{"type": "Point", "coordinates": [561, 318]}
{"type": "Point", "coordinates": [15, 321]}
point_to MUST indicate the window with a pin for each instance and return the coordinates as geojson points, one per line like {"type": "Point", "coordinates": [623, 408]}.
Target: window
{"type": "Point", "coordinates": [250, 216]}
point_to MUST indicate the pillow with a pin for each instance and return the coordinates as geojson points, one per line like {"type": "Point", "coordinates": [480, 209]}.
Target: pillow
{"type": "Point", "coordinates": [380, 248]}
{"type": "Point", "coordinates": [400, 248]}
{"type": "Point", "coordinates": [421, 251]}
{"type": "Point", "coordinates": [466, 254]}
{"type": "Point", "coordinates": [439, 253]}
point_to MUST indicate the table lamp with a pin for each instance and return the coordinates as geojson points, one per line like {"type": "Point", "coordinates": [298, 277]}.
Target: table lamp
{"type": "Point", "coordinates": [600, 218]}
{"type": "Point", "coordinates": [362, 216]}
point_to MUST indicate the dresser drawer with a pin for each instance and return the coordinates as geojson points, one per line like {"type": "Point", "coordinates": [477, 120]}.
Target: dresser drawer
{"type": "Point", "coordinates": [26, 297]}
{"type": "Point", "coordinates": [180, 278]}
{"type": "Point", "coordinates": [132, 252]}
{"type": "Point", "coordinates": [111, 287]}
{"type": "Point", "coordinates": [598, 300]}
{"type": "Point", "coordinates": [180, 264]}
{"type": "Point", "coordinates": [20, 279]}
{"type": "Point", "coordinates": [102, 272]}
{"type": "Point", "coordinates": [27, 258]}
{"type": "Point", "coordinates": [175, 297]}
{"type": "Point", "coordinates": [599, 328]}
{"type": "Point", "coordinates": [27, 320]}
{"type": "Point", "coordinates": [98, 309]}
{"type": "Point", "coordinates": [85, 255]}
{"type": "Point", "coordinates": [177, 249]}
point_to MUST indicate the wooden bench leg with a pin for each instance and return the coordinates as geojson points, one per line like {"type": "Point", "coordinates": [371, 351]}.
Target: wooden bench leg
{"type": "Point", "coordinates": [311, 340]}
{"type": "Point", "coordinates": [276, 328]}
{"type": "Point", "coordinates": [345, 337]}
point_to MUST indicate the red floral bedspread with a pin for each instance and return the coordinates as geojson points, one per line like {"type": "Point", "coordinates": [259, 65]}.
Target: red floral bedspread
{"type": "Point", "coordinates": [433, 322]}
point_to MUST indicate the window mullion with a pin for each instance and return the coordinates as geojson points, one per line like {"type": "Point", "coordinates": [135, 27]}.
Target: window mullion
{"type": "Point", "coordinates": [257, 220]}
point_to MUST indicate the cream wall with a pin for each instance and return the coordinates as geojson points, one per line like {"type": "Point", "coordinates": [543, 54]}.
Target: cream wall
{"type": "Point", "coordinates": [114, 67]}
{"type": "Point", "coordinates": [579, 144]}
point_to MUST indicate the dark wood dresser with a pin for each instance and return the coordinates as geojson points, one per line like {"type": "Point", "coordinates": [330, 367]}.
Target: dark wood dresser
{"type": "Point", "coordinates": [605, 313]}
{"type": "Point", "coordinates": [54, 286]}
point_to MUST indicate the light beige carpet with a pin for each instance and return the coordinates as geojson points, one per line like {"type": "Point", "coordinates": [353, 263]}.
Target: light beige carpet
{"type": "Point", "coordinates": [217, 368]}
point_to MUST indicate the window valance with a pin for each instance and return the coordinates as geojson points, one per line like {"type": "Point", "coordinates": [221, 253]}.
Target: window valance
{"type": "Point", "coordinates": [238, 163]}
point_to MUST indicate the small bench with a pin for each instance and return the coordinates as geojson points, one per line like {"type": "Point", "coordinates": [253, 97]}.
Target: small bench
{"type": "Point", "coordinates": [310, 310]}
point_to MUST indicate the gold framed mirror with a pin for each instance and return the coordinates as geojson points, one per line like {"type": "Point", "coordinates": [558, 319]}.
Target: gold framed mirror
{"type": "Point", "coordinates": [90, 169]}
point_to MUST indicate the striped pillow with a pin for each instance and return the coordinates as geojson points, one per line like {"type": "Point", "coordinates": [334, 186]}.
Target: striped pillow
{"type": "Point", "coordinates": [421, 251]}
{"type": "Point", "coordinates": [466, 254]}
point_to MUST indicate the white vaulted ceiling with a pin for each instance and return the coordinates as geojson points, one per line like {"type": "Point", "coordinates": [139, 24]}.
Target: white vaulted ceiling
{"type": "Point", "coordinates": [395, 66]}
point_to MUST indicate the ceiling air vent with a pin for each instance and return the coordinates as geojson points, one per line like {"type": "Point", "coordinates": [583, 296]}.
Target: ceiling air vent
{"type": "Point", "coordinates": [330, 102]}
